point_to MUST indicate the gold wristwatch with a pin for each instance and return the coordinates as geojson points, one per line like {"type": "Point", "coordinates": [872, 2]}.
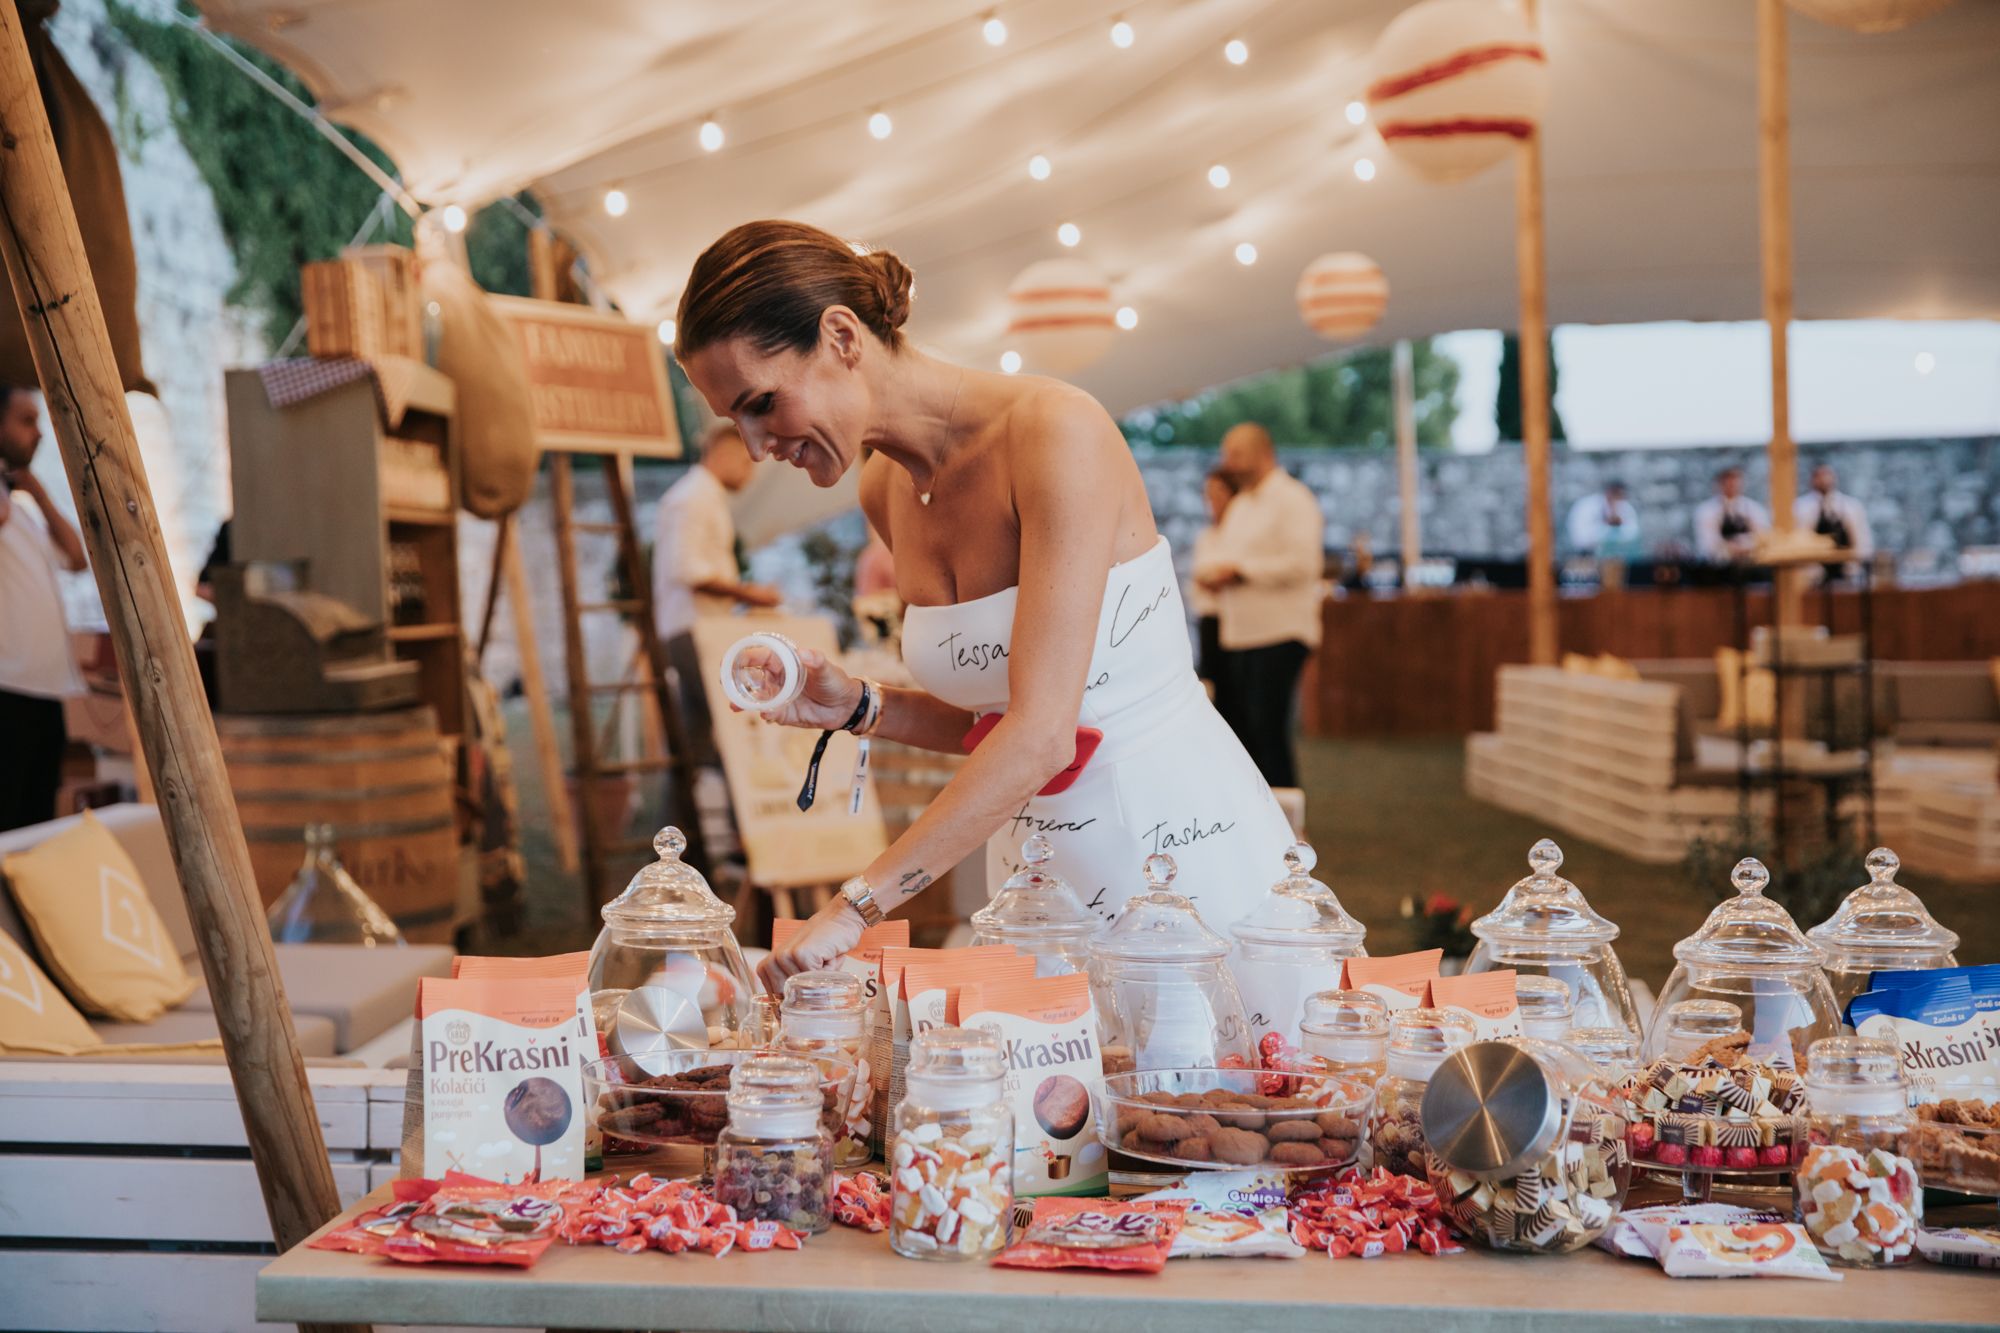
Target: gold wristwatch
{"type": "Point", "coordinates": [862, 899]}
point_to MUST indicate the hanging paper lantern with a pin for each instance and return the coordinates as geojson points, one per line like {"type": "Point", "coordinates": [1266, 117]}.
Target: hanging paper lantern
{"type": "Point", "coordinates": [1060, 316]}
{"type": "Point", "coordinates": [1868, 15]}
{"type": "Point", "coordinates": [1342, 295]}
{"type": "Point", "coordinates": [1454, 84]}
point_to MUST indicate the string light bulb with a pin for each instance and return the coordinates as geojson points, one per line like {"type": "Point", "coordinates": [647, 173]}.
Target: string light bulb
{"type": "Point", "coordinates": [1246, 254]}
{"type": "Point", "coordinates": [1218, 176]}
{"type": "Point", "coordinates": [880, 126]}
{"type": "Point", "coordinates": [1038, 167]}
{"type": "Point", "coordinates": [1926, 363]}
{"type": "Point", "coordinates": [1069, 234]}
{"type": "Point", "coordinates": [1128, 318]}
{"type": "Point", "coordinates": [1357, 113]}
{"type": "Point", "coordinates": [667, 331]}
{"type": "Point", "coordinates": [711, 135]}
{"type": "Point", "coordinates": [454, 218]}
{"type": "Point", "coordinates": [1122, 35]}
{"type": "Point", "coordinates": [1235, 52]}
{"type": "Point", "coordinates": [994, 30]}
{"type": "Point", "coordinates": [1364, 168]}
{"type": "Point", "coordinates": [1010, 362]}
{"type": "Point", "coordinates": [615, 203]}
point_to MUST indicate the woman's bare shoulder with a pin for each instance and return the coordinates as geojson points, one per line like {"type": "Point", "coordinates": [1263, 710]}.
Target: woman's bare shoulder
{"type": "Point", "coordinates": [1053, 421]}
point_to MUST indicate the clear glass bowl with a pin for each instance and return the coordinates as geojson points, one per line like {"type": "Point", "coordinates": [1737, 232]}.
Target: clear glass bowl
{"type": "Point", "coordinates": [1544, 926]}
{"type": "Point", "coordinates": [667, 1123]}
{"type": "Point", "coordinates": [1225, 1119]}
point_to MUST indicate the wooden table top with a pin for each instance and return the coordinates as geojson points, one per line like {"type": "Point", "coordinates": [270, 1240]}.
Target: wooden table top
{"type": "Point", "coordinates": [848, 1279]}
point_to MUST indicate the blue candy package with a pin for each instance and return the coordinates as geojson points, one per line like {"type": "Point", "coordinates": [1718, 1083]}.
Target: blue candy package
{"type": "Point", "coordinates": [1937, 1023]}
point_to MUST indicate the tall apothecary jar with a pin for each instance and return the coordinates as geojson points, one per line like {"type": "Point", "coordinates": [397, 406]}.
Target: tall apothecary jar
{"type": "Point", "coordinates": [1880, 927]}
{"type": "Point", "coordinates": [1545, 926]}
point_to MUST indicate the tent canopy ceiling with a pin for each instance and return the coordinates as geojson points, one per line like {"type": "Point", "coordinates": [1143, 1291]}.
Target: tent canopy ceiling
{"type": "Point", "coordinates": [1650, 136]}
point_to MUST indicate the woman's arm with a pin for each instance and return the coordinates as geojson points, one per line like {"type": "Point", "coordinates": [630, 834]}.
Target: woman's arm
{"type": "Point", "coordinates": [1066, 481]}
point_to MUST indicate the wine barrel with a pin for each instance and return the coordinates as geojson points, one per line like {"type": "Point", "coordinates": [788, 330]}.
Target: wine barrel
{"type": "Point", "coordinates": [382, 782]}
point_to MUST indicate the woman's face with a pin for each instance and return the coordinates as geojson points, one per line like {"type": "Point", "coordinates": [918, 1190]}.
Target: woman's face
{"type": "Point", "coordinates": [806, 409]}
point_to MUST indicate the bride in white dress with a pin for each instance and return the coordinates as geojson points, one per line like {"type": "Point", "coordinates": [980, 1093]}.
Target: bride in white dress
{"type": "Point", "coordinates": [1039, 591]}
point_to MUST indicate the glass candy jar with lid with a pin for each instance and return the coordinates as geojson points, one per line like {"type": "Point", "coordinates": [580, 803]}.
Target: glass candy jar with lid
{"type": "Point", "coordinates": [1164, 992]}
{"type": "Point", "coordinates": [1880, 927]}
{"type": "Point", "coordinates": [1346, 1032]}
{"type": "Point", "coordinates": [1037, 913]}
{"type": "Point", "coordinates": [774, 1160]}
{"type": "Point", "coordinates": [1545, 926]}
{"type": "Point", "coordinates": [1291, 945]}
{"type": "Point", "coordinates": [1752, 955]}
{"type": "Point", "coordinates": [951, 1149]}
{"type": "Point", "coordinates": [1527, 1145]}
{"type": "Point", "coordinates": [1857, 1191]}
{"type": "Point", "coordinates": [823, 1017]}
{"type": "Point", "coordinates": [666, 972]}
{"type": "Point", "coordinates": [1419, 1041]}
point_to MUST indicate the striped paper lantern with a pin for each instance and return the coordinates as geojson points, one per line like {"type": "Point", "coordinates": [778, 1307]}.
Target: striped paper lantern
{"type": "Point", "coordinates": [1342, 296]}
{"type": "Point", "coordinates": [1454, 84]}
{"type": "Point", "coordinates": [1060, 316]}
{"type": "Point", "coordinates": [1868, 15]}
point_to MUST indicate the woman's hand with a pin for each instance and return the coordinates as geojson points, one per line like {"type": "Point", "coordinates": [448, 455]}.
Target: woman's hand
{"type": "Point", "coordinates": [833, 931]}
{"type": "Point", "coordinates": [829, 698]}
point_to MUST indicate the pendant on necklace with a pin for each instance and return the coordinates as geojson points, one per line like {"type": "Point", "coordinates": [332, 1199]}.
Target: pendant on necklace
{"type": "Point", "coordinates": [925, 496]}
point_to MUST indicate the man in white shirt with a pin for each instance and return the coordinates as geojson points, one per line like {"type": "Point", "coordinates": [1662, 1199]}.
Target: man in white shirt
{"type": "Point", "coordinates": [37, 670]}
{"type": "Point", "coordinates": [1604, 525]}
{"type": "Point", "coordinates": [1825, 510]}
{"type": "Point", "coordinates": [1266, 565]}
{"type": "Point", "coordinates": [695, 572]}
{"type": "Point", "coordinates": [1728, 523]}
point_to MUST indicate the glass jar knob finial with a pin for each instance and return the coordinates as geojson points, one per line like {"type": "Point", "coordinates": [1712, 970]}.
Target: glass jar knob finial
{"type": "Point", "coordinates": [1750, 876]}
{"type": "Point", "coordinates": [1037, 850]}
{"type": "Point", "coordinates": [1159, 871]}
{"type": "Point", "coordinates": [1545, 858]}
{"type": "Point", "coordinates": [1882, 865]}
{"type": "Point", "coordinates": [1300, 859]}
{"type": "Point", "coordinates": [669, 843]}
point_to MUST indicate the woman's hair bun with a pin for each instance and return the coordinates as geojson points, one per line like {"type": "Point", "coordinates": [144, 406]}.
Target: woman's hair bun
{"type": "Point", "coordinates": [893, 281]}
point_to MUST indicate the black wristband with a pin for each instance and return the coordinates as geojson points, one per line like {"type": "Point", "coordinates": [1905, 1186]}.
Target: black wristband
{"type": "Point", "coordinates": [811, 787]}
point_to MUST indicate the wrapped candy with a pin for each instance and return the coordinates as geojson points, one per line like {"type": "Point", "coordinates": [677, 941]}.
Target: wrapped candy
{"type": "Point", "coordinates": [672, 1216]}
{"type": "Point", "coordinates": [861, 1200]}
{"type": "Point", "coordinates": [1364, 1215]}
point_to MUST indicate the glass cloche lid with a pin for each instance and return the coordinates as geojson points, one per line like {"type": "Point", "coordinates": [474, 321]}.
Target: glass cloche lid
{"type": "Point", "coordinates": [1882, 924]}
{"type": "Point", "coordinates": [1036, 904]}
{"type": "Point", "coordinates": [1545, 907]}
{"type": "Point", "coordinates": [669, 896]}
{"type": "Point", "coordinates": [1749, 930]}
{"type": "Point", "coordinates": [1301, 911]}
{"type": "Point", "coordinates": [1159, 926]}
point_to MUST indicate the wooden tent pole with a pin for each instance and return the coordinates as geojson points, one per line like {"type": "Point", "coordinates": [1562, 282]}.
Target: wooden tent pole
{"type": "Point", "coordinates": [1403, 377]}
{"type": "Point", "coordinates": [1531, 273]}
{"type": "Point", "coordinates": [72, 351]}
{"type": "Point", "coordinates": [1774, 218]}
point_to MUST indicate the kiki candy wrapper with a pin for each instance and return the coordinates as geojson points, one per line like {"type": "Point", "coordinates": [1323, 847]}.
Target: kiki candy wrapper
{"type": "Point", "coordinates": [1399, 980]}
{"type": "Point", "coordinates": [1129, 1235]}
{"type": "Point", "coordinates": [1755, 1249]}
{"type": "Point", "coordinates": [1488, 998]}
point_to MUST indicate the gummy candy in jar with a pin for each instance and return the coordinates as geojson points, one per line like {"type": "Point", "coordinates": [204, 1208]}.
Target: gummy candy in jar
{"type": "Point", "coordinates": [774, 1160]}
{"type": "Point", "coordinates": [1419, 1041]}
{"type": "Point", "coordinates": [1857, 1192]}
{"type": "Point", "coordinates": [951, 1147]}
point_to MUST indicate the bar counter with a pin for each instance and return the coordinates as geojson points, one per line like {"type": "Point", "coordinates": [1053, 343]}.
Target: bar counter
{"type": "Point", "coordinates": [847, 1279]}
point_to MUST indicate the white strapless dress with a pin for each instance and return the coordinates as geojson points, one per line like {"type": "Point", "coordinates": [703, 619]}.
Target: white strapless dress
{"type": "Point", "coordinates": [1169, 775]}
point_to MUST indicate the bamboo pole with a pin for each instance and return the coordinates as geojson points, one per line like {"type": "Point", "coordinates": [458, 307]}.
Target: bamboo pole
{"type": "Point", "coordinates": [1774, 218]}
{"type": "Point", "coordinates": [72, 352]}
{"type": "Point", "coordinates": [1532, 275]}
{"type": "Point", "coordinates": [1403, 377]}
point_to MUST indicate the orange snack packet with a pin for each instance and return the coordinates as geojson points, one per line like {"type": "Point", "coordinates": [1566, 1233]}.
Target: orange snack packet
{"type": "Point", "coordinates": [1055, 1073]}
{"type": "Point", "coordinates": [502, 1084]}
{"type": "Point", "coordinates": [1487, 996]}
{"type": "Point", "coordinates": [1122, 1235]}
{"type": "Point", "coordinates": [889, 1019]}
{"type": "Point", "coordinates": [1398, 980]}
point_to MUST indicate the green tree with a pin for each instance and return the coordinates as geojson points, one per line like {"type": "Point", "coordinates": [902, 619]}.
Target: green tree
{"type": "Point", "coordinates": [1507, 398]}
{"type": "Point", "coordinates": [1347, 401]}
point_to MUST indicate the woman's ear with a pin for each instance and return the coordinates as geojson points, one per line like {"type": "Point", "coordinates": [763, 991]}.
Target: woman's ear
{"type": "Point", "coordinates": [840, 329]}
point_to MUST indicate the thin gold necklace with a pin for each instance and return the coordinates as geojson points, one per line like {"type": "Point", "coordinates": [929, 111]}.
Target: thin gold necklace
{"type": "Point", "coordinates": [950, 416]}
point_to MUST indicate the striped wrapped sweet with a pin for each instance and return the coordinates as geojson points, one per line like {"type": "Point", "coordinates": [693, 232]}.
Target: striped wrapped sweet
{"type": "Point", "coordinates": [1453, 84]}
{"type": "Point", "coordinates": [1060, 316]}
{"type": "Point", "coordinates": [1342, 295]}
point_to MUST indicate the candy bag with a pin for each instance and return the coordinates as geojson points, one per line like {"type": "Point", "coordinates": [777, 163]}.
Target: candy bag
{"type": "Point", "coordinates": [1961, 1247]}
{"type": "Point", "coordinates": [1638, 1233]}
{"type": "Point", "coordinates": [1232, 1215]}
{"type": "Point", "coordinates": [1122, 1235]}
{"type": "Point", "coordinates": [483, 1224]}
{"type": "Point", "coordinates": [1752, 1249]}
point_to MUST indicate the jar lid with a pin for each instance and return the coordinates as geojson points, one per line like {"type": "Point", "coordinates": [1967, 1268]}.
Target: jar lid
{"type": "Point", "coordinates": [1302, 912]}
{"type": "Point", "coordinates": [1545, 1004]}
{"type": "Point", "coordinates": [1881, 925]}
{"type": "Point", "coordinates": [1492, 1110]}
{"type": "Point", "coordinates": [1855, 1076]}
{"type": "Point", "coordinates": [767, 1085]}
{"type": "Point", "coordinates": [823, 993]}
{"type": "Point", "coordinates": [1749, 930]}
{"type": "Point", "coordinates": [668, 895]}
{"type": "Point", "coordinates": [1345, 1013]}
{"type": "Point", "coordinates": [1159, 926]}
{"type": "Point", "coordinates": [1609, 1048]}
{"type": "Point", "coordinates": [1036, 904]}
{"type": "Point", "coordinates": [1420, 1039]}
{"type": "Point", "coordinates": [956, 1055]}
{"type": "Point", "coordinates": [1544, 907]}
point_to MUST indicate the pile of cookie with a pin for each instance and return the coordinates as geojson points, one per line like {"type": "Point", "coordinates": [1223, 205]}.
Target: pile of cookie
{"type": "Point", "coordinates": [1235, 1128]}
{"type": "Point", "coordinates": [1562, 1203]}
{"type": "Point", "coordinates": [689, 1107]}
{"type": "Point", "coordinates": [1712, 1113]}
{"type": "Point", "coordinates": [1956, 1145]}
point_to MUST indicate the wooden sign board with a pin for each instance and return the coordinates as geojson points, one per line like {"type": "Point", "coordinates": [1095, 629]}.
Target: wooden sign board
{"type": "Point", "coordinates": [598, 381]}
{"type": "Point", "coordinates": [765, 765]}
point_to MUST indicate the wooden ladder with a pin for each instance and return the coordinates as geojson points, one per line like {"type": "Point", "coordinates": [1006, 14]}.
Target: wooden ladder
{"type": "Point", "coordinates": [601, 845]}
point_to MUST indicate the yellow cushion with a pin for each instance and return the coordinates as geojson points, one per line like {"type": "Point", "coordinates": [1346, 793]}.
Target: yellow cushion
{"type": "Point", "coordinates": [34, 1015]}
{"type": "Point", "coordinates": [1612, 667]}
{"type": "Point", "coordinates": [85, 904]}
{"type": "Point", "coordinates": [1758, 690]}
{"type": "Point", "coordinates": [1580, 664]}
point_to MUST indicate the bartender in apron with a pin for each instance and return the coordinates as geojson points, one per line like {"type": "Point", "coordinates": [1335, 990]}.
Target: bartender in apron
{"type": "Point", "coordinates": [1825, 510]}
{"type": "Point", "coordinates": [1728, 523]}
